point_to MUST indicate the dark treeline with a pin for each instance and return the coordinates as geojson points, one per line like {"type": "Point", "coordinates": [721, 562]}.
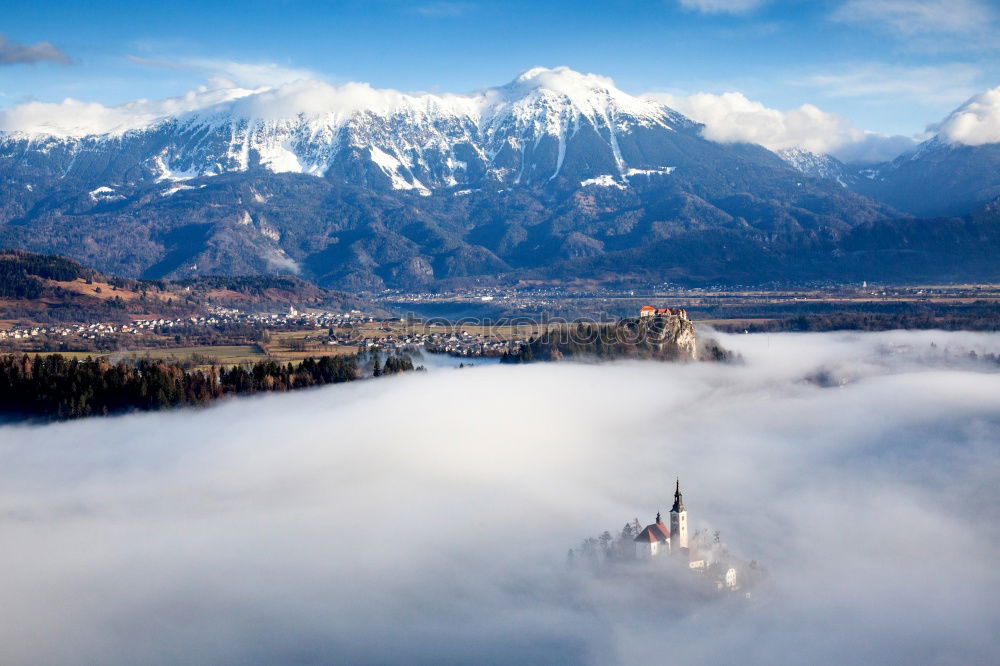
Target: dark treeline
{"type": "Point", "coordinates": [244, 284]}
{"type": "Point", "coordinates": [21, 273]}
{"type": "Point", "coordinates": [393, 364]}
{"type": "Point", "coordinates": [589, 340]}
{"type": "Point", "coordinates": [56, 387]}
{"type": "Point", "coordinates": [32, 290]}
{"type": "Point", "coordinates": [986, 319]}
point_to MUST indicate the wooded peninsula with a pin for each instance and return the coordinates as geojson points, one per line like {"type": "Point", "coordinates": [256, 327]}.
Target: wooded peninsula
{"type": "Point", "coordinates": [55, 387]}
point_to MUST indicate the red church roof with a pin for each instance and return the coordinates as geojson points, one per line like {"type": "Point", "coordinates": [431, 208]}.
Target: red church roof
{"type": "Point", "coordinates": [654, 533]}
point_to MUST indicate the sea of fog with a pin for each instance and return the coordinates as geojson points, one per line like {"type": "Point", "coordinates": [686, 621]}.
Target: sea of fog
{"type": "Point", "coordinates": [425, 519]}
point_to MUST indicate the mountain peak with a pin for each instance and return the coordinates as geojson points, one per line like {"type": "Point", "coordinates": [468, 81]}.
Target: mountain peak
{"type": "Point", "coordinates": [521, 132]}
{"type": "Point", "coordinates": [555, 95]}
{"type": "Point", "coordinates": [562, 80]}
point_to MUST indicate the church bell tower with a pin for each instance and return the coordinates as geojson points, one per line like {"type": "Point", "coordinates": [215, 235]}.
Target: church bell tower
{"type": "Point", "coordinates": [678, 520]}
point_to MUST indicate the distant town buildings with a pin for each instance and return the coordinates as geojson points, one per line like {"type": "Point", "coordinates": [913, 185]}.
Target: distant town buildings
{"type": "Point", "coordinates": [160, 326]}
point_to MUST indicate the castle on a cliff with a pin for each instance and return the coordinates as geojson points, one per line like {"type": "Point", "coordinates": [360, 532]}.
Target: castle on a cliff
{"type": "Point", "coordinates": [650, 311]}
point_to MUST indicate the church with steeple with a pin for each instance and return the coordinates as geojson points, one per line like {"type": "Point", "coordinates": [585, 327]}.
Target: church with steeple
{"type": "Point", "coordinates": [670, 545]}
{"type": "Point", "coordinates": [658, 539]}
{"type": "Point", "coordinates": [679, 519]}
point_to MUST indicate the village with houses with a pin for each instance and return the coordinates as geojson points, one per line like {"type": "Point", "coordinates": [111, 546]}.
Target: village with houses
{"type": "Point", "coordinates": [158, 326]}
{"type": "Point", "coordinates": [286, 335]}
{"type": "Point", "coordinates": [324, 331]}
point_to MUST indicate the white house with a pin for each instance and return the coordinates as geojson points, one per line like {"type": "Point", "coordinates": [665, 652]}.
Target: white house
{"type": "Point", "coordinates": [731, 578]}
{"type": "Point", "coordinates": [653, 540]}
{"type": "Point", "coordinates": [696, 560]}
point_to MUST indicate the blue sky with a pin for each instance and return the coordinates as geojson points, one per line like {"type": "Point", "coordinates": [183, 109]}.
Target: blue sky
{"type": "Point", "coordinates": [891, 66]}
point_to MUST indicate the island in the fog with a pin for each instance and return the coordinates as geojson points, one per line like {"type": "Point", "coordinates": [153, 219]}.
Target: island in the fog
{"type": "Point", "coordinates": [673, 548]}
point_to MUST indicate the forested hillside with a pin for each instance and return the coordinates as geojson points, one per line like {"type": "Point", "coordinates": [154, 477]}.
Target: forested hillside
{"type": "Point", "coordinates": [50, 288]}
{"type": "Point", "coordinates": [58, 387]}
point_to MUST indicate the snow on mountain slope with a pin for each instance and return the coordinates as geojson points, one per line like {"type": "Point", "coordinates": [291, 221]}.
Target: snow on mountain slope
{"type": "Point", "coordinates": [814, 164]}
{"type": "Point", "coordinates": [940, 177]}
{"type": "Point", "coordinates": [338, 182]}
{"type": "Point", "coordinates": [558, 102]}
{"type": "Point", "coordinates": [517, 133]}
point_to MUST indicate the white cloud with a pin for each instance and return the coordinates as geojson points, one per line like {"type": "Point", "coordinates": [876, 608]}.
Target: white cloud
{"type": "Point", "coordinates": [228, 81]}
{"type": "Point", "coordinates": [279, 261]}
{"type": "Point", "coordinates": [425, 519]}
{"type": "Point", "coordinates": [928, 85]}
{"type": "Point", "coordinates": [73, 117]}
{"type": "Point", "coordinates": [233, 74]}
{"type": "Point", "coordinates": [976, 122]}
{"type": "Point", "coordinates": [282, 94]}
{"type": "Point", "coordinates": [722, 6]}
{"type": "Point", "coordinates": [912, 17]}
{"type": "Point", "coordinates": [442, 9]}
{"type": "Point", "coordinates": [873, 147]}
{"type": "Point", "coordinates": [731, 117]}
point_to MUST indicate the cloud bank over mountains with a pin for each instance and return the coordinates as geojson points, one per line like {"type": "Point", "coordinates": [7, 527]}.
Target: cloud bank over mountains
{"type": "Point", "coordinates": [74, 118]}
{"type": "Point", "coordinates": [731, 117]}
{"type": "Point", "coordinates": [274, 92]}
{"type": "Point", "coordinates": [976, 122]}
{"type": "Point", "coordinates": [304, 96]}
{"type": "Point", "coordinates": [370, 524]}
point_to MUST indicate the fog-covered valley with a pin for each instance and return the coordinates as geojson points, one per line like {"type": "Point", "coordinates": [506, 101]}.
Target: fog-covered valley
{"type": "Point", "coordinates": [426, 518]}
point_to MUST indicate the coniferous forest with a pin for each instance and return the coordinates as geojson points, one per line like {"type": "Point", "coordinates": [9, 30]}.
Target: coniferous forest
{"type": "Point", "coordinates": [57, 387]}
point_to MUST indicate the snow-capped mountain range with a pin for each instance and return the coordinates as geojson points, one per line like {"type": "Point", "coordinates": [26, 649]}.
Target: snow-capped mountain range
{"type": "Point", "coordinates": [524, 132]}
{"type": "Point", "coordinates": [938, 177]}
{"type": "Point", "coordinates": [546, 127]}
{"type": "Point", "coordinates": [556, 173]}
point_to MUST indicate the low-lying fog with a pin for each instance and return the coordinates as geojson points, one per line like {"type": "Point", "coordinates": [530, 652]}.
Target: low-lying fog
{"type": "Point", "coordinates": [426, 518]}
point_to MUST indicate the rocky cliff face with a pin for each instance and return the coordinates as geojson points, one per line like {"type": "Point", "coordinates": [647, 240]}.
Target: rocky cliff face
{"type": "Point", "coordinates": [672, 336]}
